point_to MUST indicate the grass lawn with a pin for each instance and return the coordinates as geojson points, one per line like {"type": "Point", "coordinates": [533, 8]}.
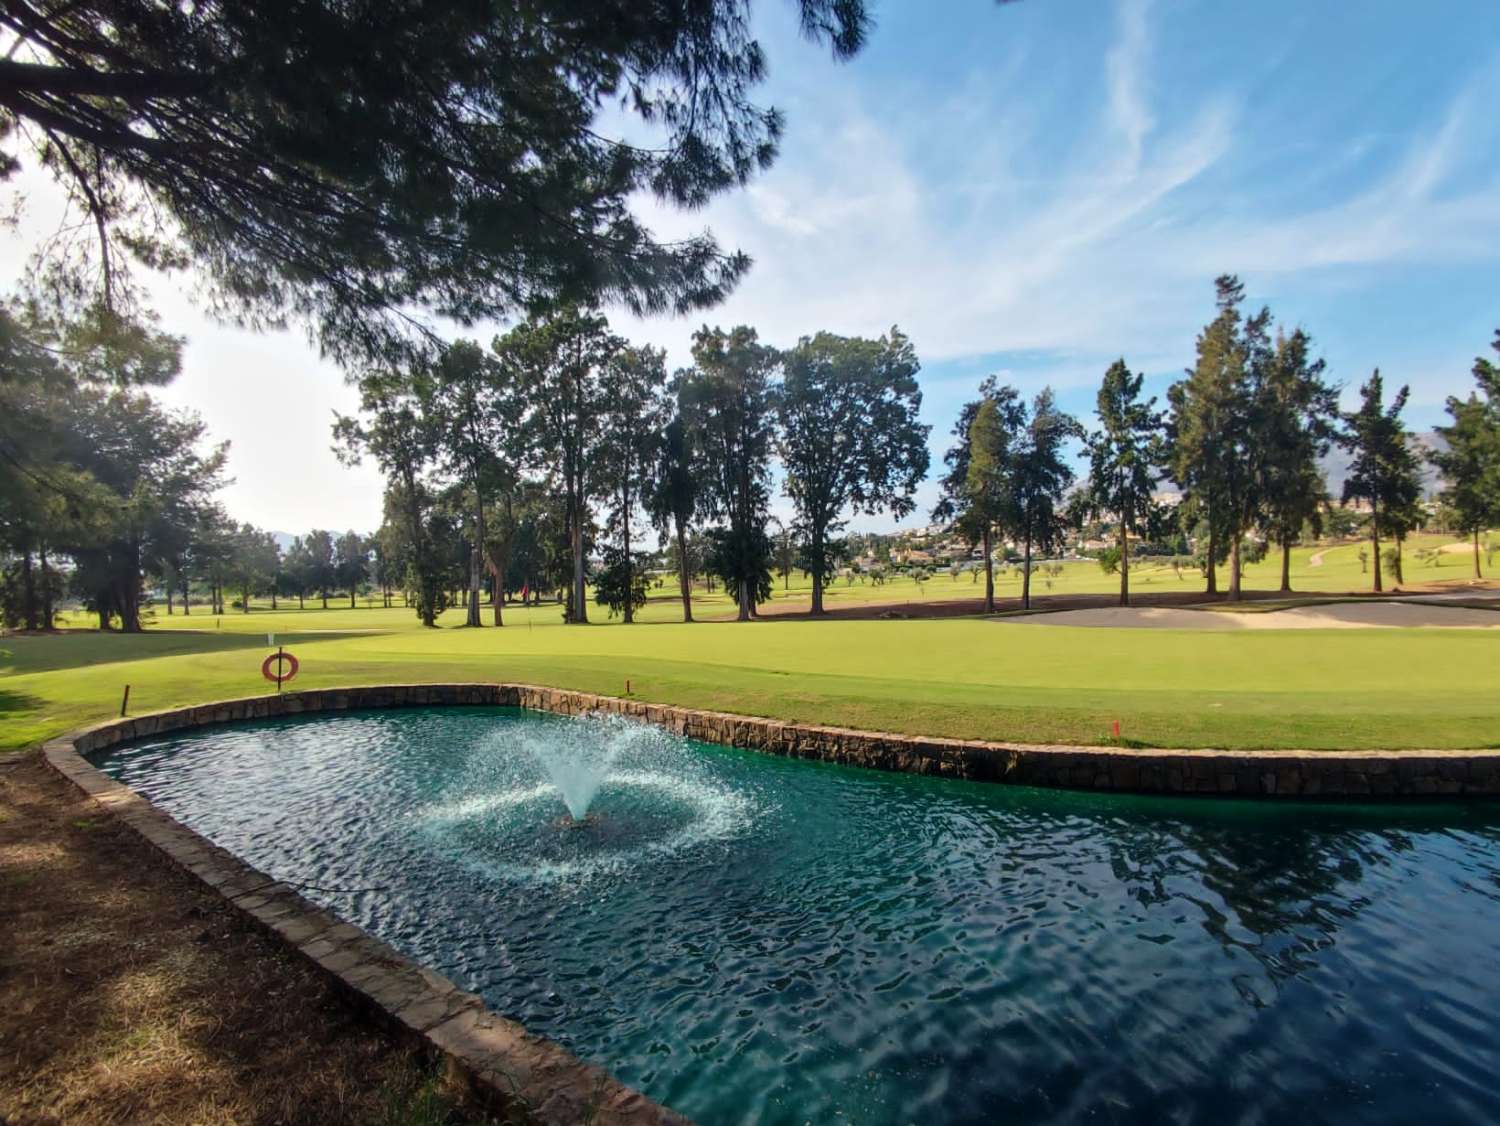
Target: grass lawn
{"type": "Point", "coordinates": [966, 677]}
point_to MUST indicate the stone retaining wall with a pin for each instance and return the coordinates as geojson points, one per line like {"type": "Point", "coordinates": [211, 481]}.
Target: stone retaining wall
{"type": "Point", "coordinates": [529, 1078]}
{"type": "Point", "coordinates": [509, 1071]}
{"type": "Point", "coordinates": [1341, 774]}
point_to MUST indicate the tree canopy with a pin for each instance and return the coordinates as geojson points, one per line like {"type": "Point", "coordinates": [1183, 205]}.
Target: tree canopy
{"type": "Point", "coordinates": [1384, 469]}
{"type": "Point", "coordinates": [850, 436]}
{"type": "Point", "coordinates": [359, 165]}
{"type": "Point", "coordinates": [1124, 458]}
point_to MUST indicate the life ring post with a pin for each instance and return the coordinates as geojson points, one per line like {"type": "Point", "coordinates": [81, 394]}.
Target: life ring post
{"type": "Point", "coordinates": [285, 667]}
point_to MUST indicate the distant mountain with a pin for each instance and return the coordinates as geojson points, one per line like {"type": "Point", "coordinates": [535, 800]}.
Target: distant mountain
{"type": "Point", "coordinates": [1336, 466]}
{"type": "Point", "coordinates": [284, 539]}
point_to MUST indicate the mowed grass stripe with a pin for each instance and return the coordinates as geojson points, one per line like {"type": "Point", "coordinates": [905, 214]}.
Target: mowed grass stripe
{"type": "Point", "coordinates": [967, 678]}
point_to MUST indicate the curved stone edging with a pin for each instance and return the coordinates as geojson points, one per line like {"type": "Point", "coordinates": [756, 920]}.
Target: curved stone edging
{"type": "Point", "coordinates": [522, 1074]}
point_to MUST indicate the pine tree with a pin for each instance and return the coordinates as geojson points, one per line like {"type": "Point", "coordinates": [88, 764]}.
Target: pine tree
{"type": "Point", "coordinates": [1470, 463]}
{"type": "Point", "coordinates": [731, 404]}
{"type": "Point", "coordinates": [359, 164]}
{"type": "Point", "coordinates": [1124, 456]}
{"type": "Point", "coordinates": [975, 503]}
{"type": "Point", "coordinates": [1211, 434]}
{"type": "Point", "coordinates": [1295, 415]}
{"type": "Point", "coordinates": [1039, 476]}
{"type": "Point", "coordinates": [1384, 471]}
{"type": "Point", "coordinates": [850, 436]}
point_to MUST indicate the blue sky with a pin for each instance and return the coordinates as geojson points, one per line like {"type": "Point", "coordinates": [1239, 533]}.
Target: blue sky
{"type": "Point", "coordinates": [1035, 189]}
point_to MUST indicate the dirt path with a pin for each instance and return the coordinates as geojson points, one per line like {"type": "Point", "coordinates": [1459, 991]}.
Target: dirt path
{"type": "Point", "coordinates": [131, 994]}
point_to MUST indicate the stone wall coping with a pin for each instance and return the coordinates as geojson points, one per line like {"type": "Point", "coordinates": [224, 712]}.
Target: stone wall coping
{"type": "Point", "coordinates": [530, 1077]}
{"type": "Point", "coordinates": [1201, 770]}
{"type": "Point", "coordinates": [505, 1068]}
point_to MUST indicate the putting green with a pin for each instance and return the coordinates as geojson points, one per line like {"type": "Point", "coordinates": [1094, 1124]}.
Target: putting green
{"type": "Point", "coordinates": [964, 677]}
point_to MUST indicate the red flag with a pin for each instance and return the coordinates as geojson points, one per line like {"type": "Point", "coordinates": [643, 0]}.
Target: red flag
{"type": "Point", "coordinates": [525, 590]}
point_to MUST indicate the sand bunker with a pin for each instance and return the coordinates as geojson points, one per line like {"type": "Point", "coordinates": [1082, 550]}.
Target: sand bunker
{"type": "Point", "coordinates": [1342, 615]}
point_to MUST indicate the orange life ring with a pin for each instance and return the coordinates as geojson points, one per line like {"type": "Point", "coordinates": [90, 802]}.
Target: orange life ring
{"type": "Point", "coordinates": [278, 676]}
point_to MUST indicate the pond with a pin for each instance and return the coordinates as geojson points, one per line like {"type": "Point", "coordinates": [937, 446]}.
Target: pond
{"type": "Point", "coordinates": [754, 939]}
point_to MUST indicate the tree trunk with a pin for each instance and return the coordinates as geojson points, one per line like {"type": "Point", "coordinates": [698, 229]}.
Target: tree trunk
{"type": "Point", "coordinates": [1026, 573]}
{"type": "Point", "coordinates": [745, 600]}
{"type": "Point", "coordinates": [1477, 575]}
{"type": "Point", "coordinates": [1213, 552]}
{"type": "Point", "coordinates": [273, 598]}
{"type": "Point", "coordinates": [169, 600]}
{"type": "Point", "coordinates": [476, 561]}
{"type": "Point", "coordinates": [352, 589]}
{"type": "Point", "coordinates": [625, 536]}
{"type": "Point", "coordinates": [817, 572]}
{"type": "Point", "coordinates": [186, 602]}
{"type": "Point", "coordinates": [1286, 565]}
{"type": "Point", "coordinates": [684, 577]}
{"type": "Point", "coordinates": [580, 577]}
{"type": "Point", "coordinates": [1234, 567]}
{"type": "Point", "coordinates": [49, 612]}
{"type": "Point", "coordinates": [986, 543]}
{"type": "Point", "coordinates": [1124, 564]}
{"type": "Point", "coordinates": [301, 601]}
{"type": "Point", "coordinates": [28, 588]}
{"type": "Point", "coordinates": [324, 593]}
{"type": "Point", "coordinates": [1375, 540]}
{"type": "Point", "coordinates": [500, 560]}
{"type": "Point", "coordinates": [130, 593]}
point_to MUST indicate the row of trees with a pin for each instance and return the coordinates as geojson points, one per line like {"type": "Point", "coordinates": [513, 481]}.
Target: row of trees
{"type": "Point", "coordinates": [564, 429]}
{"type": "Point", "coordinates": [103, 490]}
{"type": "Point", "coordinates": [93, 470]}
{"type": "Point", "coordinates": [1243, 438]}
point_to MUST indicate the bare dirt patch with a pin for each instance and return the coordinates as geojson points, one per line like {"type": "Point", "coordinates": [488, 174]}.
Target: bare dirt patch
{"type": "Point", "coordinates": [129, 993]}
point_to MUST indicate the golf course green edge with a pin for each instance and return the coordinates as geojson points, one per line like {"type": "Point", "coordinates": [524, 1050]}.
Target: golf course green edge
{"type": "Point", "coordinates": [503, 1068]}
{"type": "Point", "coordinates": [1362, 774]}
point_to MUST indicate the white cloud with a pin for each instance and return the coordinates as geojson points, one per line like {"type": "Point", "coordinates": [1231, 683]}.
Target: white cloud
{"type": "Point", "coordinates": [1011, 208]}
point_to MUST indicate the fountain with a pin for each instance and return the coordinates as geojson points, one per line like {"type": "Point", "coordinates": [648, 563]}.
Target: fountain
{"type": "Point", "coordinates": [577, 766]}
{"type": "Point", "coordinates": [570, 799]}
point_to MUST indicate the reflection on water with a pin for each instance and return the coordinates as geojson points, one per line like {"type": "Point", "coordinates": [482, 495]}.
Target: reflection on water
{"type": "Point", "coordinates": [751, 939]}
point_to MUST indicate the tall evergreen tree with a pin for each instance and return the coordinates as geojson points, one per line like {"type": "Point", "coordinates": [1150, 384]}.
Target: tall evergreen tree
{"type": "Point", "coordinates": [1384, 471]}
{"type": "Point", "coordinates": [1124, 458]}
{"type": "Point", "coordinates": [474, 414]}
{"type": "Point", "coordinates": [560, 365]}
{"type": "Point", "coordinates": [322, 573]}
{"type": "Point", "coordinates": [974, 503]}
{"type": "Point", "coordinates": [1211, 434]}
{"type": "Point", "coordinates": [850, 436]}
{"type": "Point", "coordinates": [674, 499]}
{"type": "Point", "coordinates": [631, 426]}
{"type": "Point", "coordinates": [398, 431]}
{"type": "Point", "coordinates": [732, 403]}
{"type": "Point", "coordinates": [351, 562]}
{"type": "Point", "coordinates": [1295, 421]}
{"type": "Point", "coordinates": [1040, 476]}
{"type": "Point", "coordinates": [1470, 460]}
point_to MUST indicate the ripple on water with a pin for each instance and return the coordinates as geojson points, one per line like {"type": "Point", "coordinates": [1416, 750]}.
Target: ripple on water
{"type": "Point", "coordinates": [752, 939]}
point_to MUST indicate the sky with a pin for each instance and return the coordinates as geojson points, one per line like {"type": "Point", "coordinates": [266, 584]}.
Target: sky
{"type": "Point", "coordinates": [1030, 190]}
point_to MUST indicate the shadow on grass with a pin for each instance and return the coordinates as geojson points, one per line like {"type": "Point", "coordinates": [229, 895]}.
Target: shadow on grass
{"type": "Point", "coordinates": [48, 652]}
{"type": "Point", "coordinates": [18, 703]}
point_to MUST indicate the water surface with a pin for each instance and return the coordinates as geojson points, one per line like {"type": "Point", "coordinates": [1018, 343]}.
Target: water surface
{"type": "Point", "coordinates": [754, 939]}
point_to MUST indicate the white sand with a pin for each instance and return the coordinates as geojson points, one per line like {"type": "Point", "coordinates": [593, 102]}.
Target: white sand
{"type": "Point", "coordinates": [1343, 615]}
